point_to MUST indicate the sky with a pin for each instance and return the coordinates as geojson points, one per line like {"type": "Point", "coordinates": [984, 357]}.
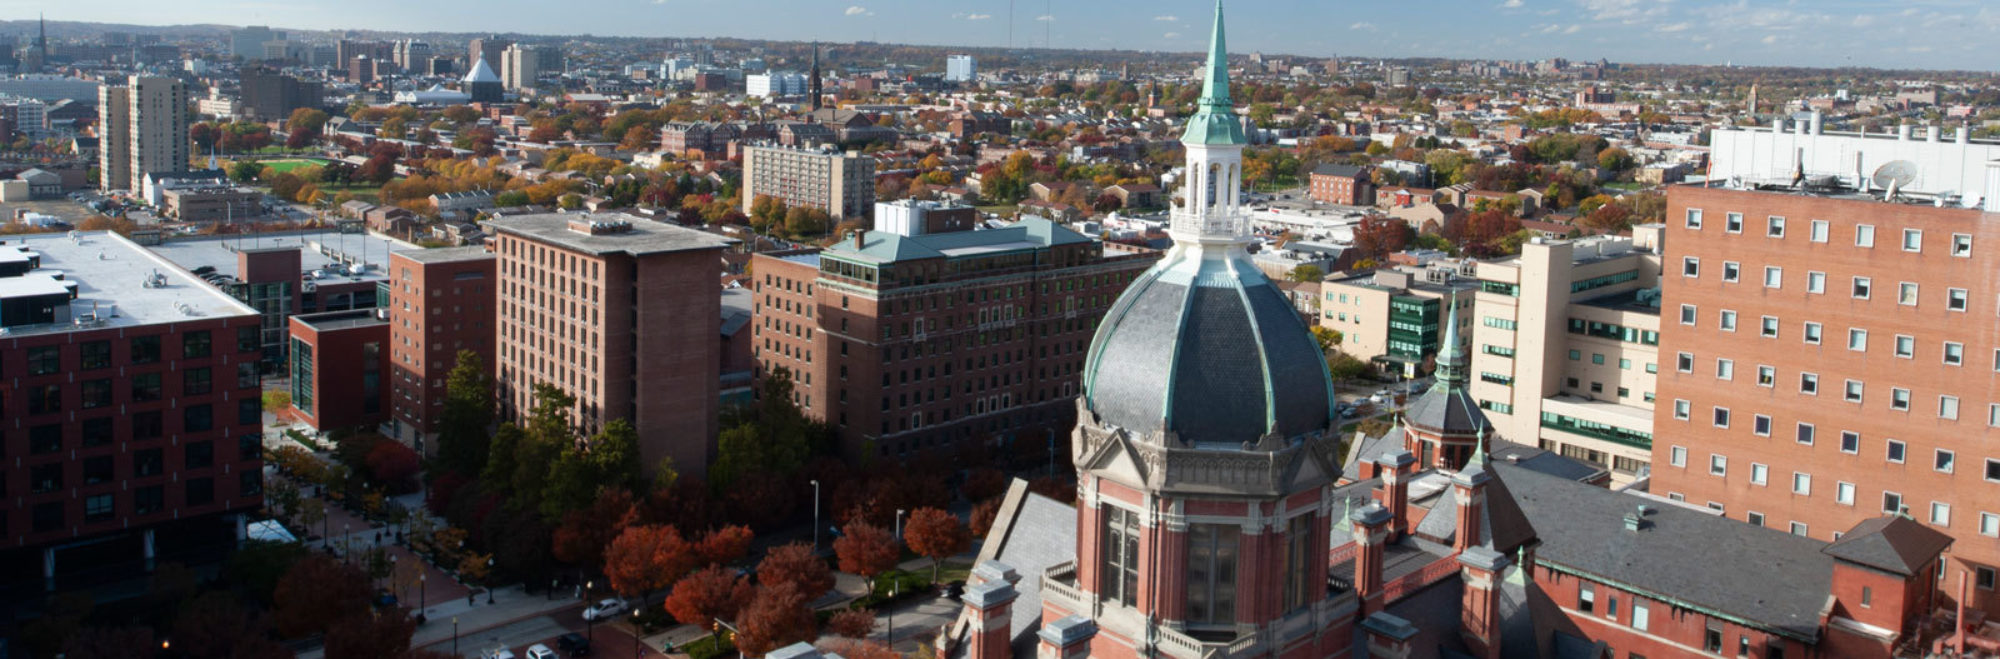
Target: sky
{"type": "Point", "coordinates": [1929, 34]}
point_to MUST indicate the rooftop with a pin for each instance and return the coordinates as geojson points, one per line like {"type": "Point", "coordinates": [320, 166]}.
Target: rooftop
{"type": "Point", "coordinates": [324, 250]}
{"type": "Point", "coordinates": [1638, 300]}
{"type": "Point", "coordinates": [644, 237]}
{"type": "Point", "coordinates": [340, 320]}
{"type": "Point", "coordinates": [446, 254]}
{"type": "Point", "coordinates": [116, 280]}
{"type": "Point", "coordinates": [1027, 234]}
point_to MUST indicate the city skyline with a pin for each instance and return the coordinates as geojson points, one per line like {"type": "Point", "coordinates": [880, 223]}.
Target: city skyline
{"type": "Point", "coordinates": [1927, 34]}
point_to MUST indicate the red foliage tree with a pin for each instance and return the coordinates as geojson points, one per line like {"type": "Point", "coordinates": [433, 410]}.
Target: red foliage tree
{"type": "Point", "coordinates": [866, 550]}
{"type": "Point", "coordinates": [778, 616]}
{"type": "Point", "coordinates": [317, 591]}
{"type": "Point", "coordinates": [983, 516]}
{"type": "Point", "coordinates": [937, 535]}
{"type": "Point", "coordinates": [1378, 236]}
{"type": "Point", "coordinates": [585, 534]}
{"type": "Point", "coordinates": [647, 558]}
{"type": "Point", "coordinates": [712, 594]}
{"type": "Point", "coordinates": [725, 545]}
{"type": "Point", "coordinates": [983, 483]}
{"type": "Point", "coordinates": [851, 648]}
{"type": "Point", "coordinates": [395, 465]}
{"type": "Point", "coordinates": [442, 490]}
{"type": "Point", "coordinates": [795, 564]}
{"type": "Point", "coordinates": [851, 623]}
{"type": "Point", "coordinates": [371, 635]}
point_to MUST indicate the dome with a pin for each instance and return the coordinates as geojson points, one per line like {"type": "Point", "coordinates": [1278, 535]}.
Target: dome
{"type": "Point", "coordinates": [1205, 347]}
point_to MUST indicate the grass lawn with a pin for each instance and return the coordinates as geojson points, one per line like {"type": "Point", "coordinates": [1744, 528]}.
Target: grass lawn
{"type": "Point", "coordinates": [1002, 211]}
{"type": "Point", "coordinates": [290, 164]}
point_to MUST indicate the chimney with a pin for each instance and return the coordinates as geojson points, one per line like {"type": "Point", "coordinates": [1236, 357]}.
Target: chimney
{"type": "Point", "coordinates": [1371, 530]}
{"type": "Point", "coordinates": [1397, 468]}
{"type": "Point", "coordinates": [1903, 132]}
{"type": "Point", "coordinates": [1469, 487]}
{"type": "Point", "coordinates": [1068, 638]}
{"type": "Point", "coordinates": [989, 606]}
{"type": "Point", "coordinates": [1389, 637]}
{"type": "Point", "coordinates": [858, 235]}
{"type": "Point", "coordinates": [1816, 118]}
{"type": "Point", "coordinates": [1479, 609]}
{"type": "Point", "coordinates": [1964, 135]}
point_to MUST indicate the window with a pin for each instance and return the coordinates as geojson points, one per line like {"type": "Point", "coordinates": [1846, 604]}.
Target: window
{"type": "Point", "coordinates": [1677, 456]}
{"type": "Point", "coordinates": [146, 387]}
{"type": "Point", "coordinates": [148, 500]}
{"type": "Point", "coordinates": [1768, 327]}
{"type": "Point", "coordinates": [1843, 493]}
{"type": "Point", "coordinates": [96, 431]}
{"type": "Point", "coordinates": [1867, 596]}
{"type": "Point", "coordinates": [1906, 346]}
{"type": "Point", "coordinates": [97, 469]}
{"type": "Point", "coordinates": [200, 491]}
{"type": "Point", "coordinates": [1730, 270]}
{"type": "Point", "coordinates": [1809, 384]}
{"type": "Point", "coordinates": [1759, 473]}
{"type": "Point", "coordinates": [1722, 417]}
{"type": "Point", "coordinates": [1754, 518]}
{"type": "Point", "coordinates": [1895, 451]}
{"type": "Point", "coordinates": [195, 344]}
{"type": "Point", "coordinates": [1954, 299]}
{"type": "Point", "coordinates": [1850, 441]}
{"type": "Point", "coordinates": [1733, 222]}
{"type": "Point", "coordinates": [1681, 409]}
{"type": "Point", "coordinates": [1992, 470]}
{"type": "Point", "coordinates": [1597, 358]}
{"type": "Point", "coordinates": [1861, 287]}
{"type": "Point", "coordinates": [1983, 578]}
{"type": "Point", "coordinates": [1725, 369]}
{"type": "Point", "coordinates": [1774, 277]}
{"type": "Point", "coordinates": [197, 418]}
{"type": "Point", "coordinates": [96, 393]}
{"type": "Point", "coordinates": [1940, 513]}
{"type": "Point", "coordinates": [1586, 597]}
{"type": "Point", "coordinates": [1718, 464]}
{"type": "Point", "coordinates": [45, 439]}
{"type": "Point", "coordinates": [199, 455]}
{"type": "Point", "coordinates": [1801, 483]}
{"type": "Point", "coordinates": [1892, 503]}
{"type": "Point", "coordinates": [1989, 525]}
{"type": "Point", "coordinates": [1728, 322]}
{"type": "Point", "coordinates": [1806, 433]}
{"type": "Point", "coordinates": [1299, 558]}
{"type": "Point", "coordinates": [45, 478]}
{"type": "Point", "coordinates": [1798, 529]}
{"type": "Point", "coordinates": [1948, 407]}
{"type": "Point", "coordinates": [1767, 376]}
{"type": "Point", "coordinates": [1211, 587]}
{"type": "Point", "coordinates": [1815, 282]}
{"type": "Point", "coordinates": [95, 354]}
{"type": "Point", "coordinates": [145, 349]}
{"type": "Point", "coordinates": [1864, 235]}
{"type": "Point", "coordinates": [196, 380]}
{"type": "Point", "coordinates": [1899, 398]}
{"type": "Point", "coordinates": [1575, 355]}
{"type": "Point", "coordinates": [1853, 391]}
{"type": "Point", "coordinates": [1694, 218]}
{"type": "Point", "coordinates": [1812, 331]}
{"type": "Point", "coordinates": [1954, 353]}
{"type": "Point", "coordinates": [1711, 639]}
{"type": "Point", "coordinates": [97, 508]}
{"type": "Point", "coordinates": [1906, 294]}
{"type": "Point", "coordinates": [1818, 231]}
{"type": "Point", "coordinates": [1961, 244]}
{"type": "Point", "coordinates": [1774, 227]}
{"type": "Point", "coordinates": [44, 360]}
{"type": "Point", "coordinates": [1121, 555]}
{"type": "Point", "coordinates": [1687, 314]}
{"type": "Point", "coordinates": [1857, 339]}
{"type": "Point", "coordinates": [1913, 240]}
{"type": "Point", "coordinates": [1690, 266]}
{"type": "Point", "coordinates": [1760, 425]}
{"type": "Point", "coordinates": [1684, 362]}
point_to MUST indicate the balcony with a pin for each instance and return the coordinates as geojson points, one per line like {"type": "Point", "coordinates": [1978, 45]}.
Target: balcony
{"type": "Point", "coordinates": [1186, 646]}
{"type": "Point", "coordinates": [1059, 588]}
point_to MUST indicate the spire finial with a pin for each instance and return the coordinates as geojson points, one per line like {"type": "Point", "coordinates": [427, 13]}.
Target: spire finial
{"type": "Point", "coordinates": [1451, 356]}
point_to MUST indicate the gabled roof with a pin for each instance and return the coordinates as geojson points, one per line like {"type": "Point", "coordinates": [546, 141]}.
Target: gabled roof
{"type": "Point", "coordinates": [1332, 169]}
{"type": "Point", "coordinates": [1894, 543]}
{"type": "Point", "coordinates": [1503, 527]}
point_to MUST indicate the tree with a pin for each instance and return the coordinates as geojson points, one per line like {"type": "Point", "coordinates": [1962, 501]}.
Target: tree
{"type": "Point", "coordinates": [216, 625]}
{"type": "Point", "coordinates": [708, 595]}
{"type": "Point", "coordinates": [378, 169]}
{"type": "Point", "coordinates": [794, 564]}
{"type": "Point", "coordinates": [1343, 367]}
{"type": "Point", "coordinates": [306, 119]}
{"type": "Point", "coordinates": [371, 635]}
{"type": "Point", "coordinates": [866, 550]}
{"type": "Point", "coordinates": [463, 438]}
{"type": "Point", "coordinates": [983, 483]}
{"type": "Point", "coordinates": [245, 171]}
{"type": "Point", "coordinates": [1614, 159]}
{"type": "Point", "coordinates": [937, 535]}
{"type": "Point", "coordinates": [1307, 273]}
{"type": "Point", "coordinates": [724, 545]}
{"type": "Point", "coordinates": [110, 643]}
{"type": "Point", "coordinates": [805, 221]}
{"type": "Point", "coordinates": [646, 558]}
{"type": "Point", "coordinates": [776, 617]}
{"type": "Point", "coordinates": [1379, 236]}
{"type": "Point", "coordinates": [851, 623]}
{"type": "Point", "coordinates": [1327, 337]}
{"type": "Point", "coordinates": [585, 534]}
{"type": "Point", "coordinates": [395, 466]}
{"type": "Point", "coordinates": [317, 591]}
{"type": "Point", "coordinates": [855, 648]}
{"type": "Point", "coordinates": [608, 459]}
{"type": "Point", "coordinates": [983, 516]}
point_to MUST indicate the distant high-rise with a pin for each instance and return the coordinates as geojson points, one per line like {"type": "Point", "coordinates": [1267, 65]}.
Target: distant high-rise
{"type": "Point", "coordinates": [520, 65]}
{"type": "Point", "coordinates": [489, 50]}
{"type": "Point", "coordinates": [142, 128]}
{"type": "Point", "coordinates": [267, 95]}
{"type": "Point", "coordinates": [412, 56]}
{"type": "Point", "coordinates": [961, 68]}
{"type": "Point", "coordinates": [248, 43]}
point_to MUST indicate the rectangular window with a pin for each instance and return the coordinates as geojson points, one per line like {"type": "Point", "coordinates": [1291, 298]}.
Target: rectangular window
{"type": "Point", "coordinates": [1718, 464]}
{"type": "Point", "coordinates": [96, 393]}
{"type": "Point", "coordinates": [1798, 529]}
{"type": "Point", "coordinates": [1809, 384]}
{"type": "Point", "coordinates": [1759, 473]}
{"type": "Point", "coordinates": [1961, 244]}
{"type": "Point", "coordinates": [1913, 240]}
{"type": "Point", "coordinates": [1677, 456]}
{"type": "Point", "coordinates": [1853, 391]}
{"type": "Point", "coordinates": [1728, 322]}
{"type": "Point", "coordinates": [1812, 331]}
{"type": "Point", "coordinates": [196, 344]}
{"type": "Point", "coordinates": [200, 491]}
{"type": "Point", "coordinates": [1690, 266]}
{"type": "Point", "coordinates": [44, 360]}
{"type": "Point", "coordinates": [1121, 555]}
{"type": "Point", "coordinates": [1906, 294]}
{"type": "Point", "coordinates": [1943, 461]}
{"type": "Point", "coordinates": [1940, 513]}
{"type": "Point", "coordinates": [1954, 299]}
{"type": "Point", "coordinates": [1906, 346]}
{"type": "Point", "coordinates": [1711, 638]}
{"type": "Point", "coordinates": [1733, 222]}
{"type": "Point", "coordinates": [1992, 470]}
{"type": "Point", "coordinates": [1586, 597]}
{"type": "Point", "coordinates": [1684, 362]}
{"type": "Point", "coordinates": [1774, 227]}
{"type": "Point", "coordinates": [1850, 441]}
{"type": "Point", "coordinates": [1760, 425]}
{"type": "Point", "coordinates": [1806, 433]}
{"type": "Point", "coordinates": [1989, 525]}
{"type": "Point", "coordinates": [1687, 314]}
{"type": "Point", "coordinates": [1815, 282]}
{"type": "Point", "coordinates": [1730, 270]}
{"type": "Point", "coordinates": [145, 349]}
{"type": "Point", "coordinates": [1211, 588]}
{"type": "Point", "coordinates": [1681, 409]}
{"type": "Point", "coordinates": [1767, 376]}
{"type": "Point", "coordinates": [1801, 483]}
{"type": "Point", "coordinates": [1857, 339]}
{"type": "Point", "coordinates": [1948, 407]}
{"type": "Point", "coordinates": [1774, 277]}
{"type": "Point", "coordinates": [1862, 286]}
{"type": "Point", "coordinates": [1724, 369]}
{"type": "Point", "coordinates": [1694, 218]}
{"type": "Point", "coordinates": [1895, 452]}
{"type": "Point", "coordinates": [1767, 327]}
{"type": "Point", "coordinates": [1818, 231]}
{"type": "Point", "coordinates": [196, 381]}
{"type": "Point", "coordinates": [94, 355]}
{"type": "Point", "coordinates": [1954, 353]}
{"type": "Point", "coordinates": [1899, 398]}
{"type": "Point", "coordinates": [1722, 417]}
{"type": "Point", "coordinates": [1843, 493]}
{"type": "Point", "coordinates": [1864, 235]}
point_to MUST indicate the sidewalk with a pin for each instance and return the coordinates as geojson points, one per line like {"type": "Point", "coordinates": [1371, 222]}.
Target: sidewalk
{"type": "Point", "coordinates": [510, 604]}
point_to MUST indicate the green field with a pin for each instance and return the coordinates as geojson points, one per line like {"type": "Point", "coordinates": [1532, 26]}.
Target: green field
{"type": "Point", "coordinates": [294, 163]}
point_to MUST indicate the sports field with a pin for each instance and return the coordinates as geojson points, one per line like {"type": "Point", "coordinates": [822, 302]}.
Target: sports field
{"type": "Point", "coordinates": [290, 164]}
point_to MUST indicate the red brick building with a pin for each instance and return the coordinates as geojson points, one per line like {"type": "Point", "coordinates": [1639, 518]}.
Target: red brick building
{"type": "Point", "coordinates": [1832, 361]}
{"type": "Point", "coordinates": [338, 360]}
{"type": "Point", "coordinates": [441, 301]}
{"type": "Point", "coordinates": [134, 413]}
{"type": "Point", "coordinates": [1346, 185]}
{"type": "Point", "coordinates": [621, 312]}
{"type": "Point", "coordinates": [909, 343]}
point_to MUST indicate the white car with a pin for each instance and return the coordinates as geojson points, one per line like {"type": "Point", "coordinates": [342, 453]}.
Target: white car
{"type": "Point", "coordinates": [496, 651]}
{"type": "Point", "coordinates": [605, 609]}
{"type": "Point", "coordinates": [539, 651]}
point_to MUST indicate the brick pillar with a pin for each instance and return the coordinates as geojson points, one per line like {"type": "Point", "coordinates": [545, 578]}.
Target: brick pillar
{"type": "Point", "coordinates": [1479, 619]}
{"type": "Point", "coordinates": [989, 607]}
{"type": "Point", "coordinates": [1068, 638]}
{"type": "Point", "coordinates": [1397, 468]}
{"type": "Point", "coordinates": [1371, 529]}
{"type": "Point", "coordinates": [1469, 486]}
{"type": "Point", "coordinates": [1388, 636]}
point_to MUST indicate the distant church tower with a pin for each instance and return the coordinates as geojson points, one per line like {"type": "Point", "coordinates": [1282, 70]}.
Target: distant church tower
{"type": "Point", "coordinates": [818, 93]}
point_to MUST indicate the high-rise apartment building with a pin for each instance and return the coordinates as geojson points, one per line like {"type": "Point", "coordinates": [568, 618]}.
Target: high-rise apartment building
{"type": "Point", "coordinates": [913, 342]}
{"type": "Point", "coordinates": [1831, 353]}
{"type": "Point", "coordinates": [268, 96]}
{"type": "Point", "coordinates": [840, 183]}
{"type": "Point", "coordinates": [142, 129]}
{"type": "Point", "coordinates": [248, 43]}
{"type": "Point", "coordinates": [414, 57]}
{"type": "Point", "coordinates": [487, 49]}
{"type": "Point", "coordinates": [1566, 347]}
{"type": "Point", "coordinates": [960, 68]}
{"type": "Point", "coordinates": [441, 301]}
{"type": "Point", "coordinates": [135, 414]}
{"type": "Point", "coordinates": [520, 65]}
{"type": "Point", "coordinates": [621, 312]}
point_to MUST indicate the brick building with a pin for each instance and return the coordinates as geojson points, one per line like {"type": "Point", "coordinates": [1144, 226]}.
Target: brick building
{"type": "Point", "coordinates": [440, 301]}
{"type": "Point", "coordinates": [135, 394]}
{"type": "Point", "coordinates": [619, 311]}
{"type": "Point", "coordinates": [842, 184]}
{"type": "Point", "coordinates": [338, 359]}
{"type": "Point", "coordinates": [1830, 360]}
{"type": "Point", "coordinates": [1346, 185]}
{"type": "Point", "coordinates": [682, 137]}
{"type": "Point", "coordinates": [915, 342]}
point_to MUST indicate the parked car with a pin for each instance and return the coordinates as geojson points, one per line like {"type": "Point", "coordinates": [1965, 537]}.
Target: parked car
{"type": "Point", "coordinates": [496, 651]}
{"type": "Point", "coordinates": [573, 643]}
{"type": "Point", "coordinates": [606, 609]}
{"type": "Point", "coordinates": [539, 651]}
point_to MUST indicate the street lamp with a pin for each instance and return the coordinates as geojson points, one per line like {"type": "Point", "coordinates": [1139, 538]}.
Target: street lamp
{"type": "Point", "coordinates": [489, 581]}
{"type": "Point", "coordinates": [638, 648]}
{"type": "Point", "coordinates": [423, 595]}
{"type": "Point", "coordinates": [815, 517]}
{"type": "Point", "coordinates": [454, 636]}
{"type": "Point", "coordinates": [589, 620]}
{"type": "Point", "coordinates": [899, 523]}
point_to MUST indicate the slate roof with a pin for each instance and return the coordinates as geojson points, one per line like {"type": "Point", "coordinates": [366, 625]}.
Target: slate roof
{"type": "Point", "coordinates": [1894, 544]}
{"type": "Point", "coordinates": [1544, 461]}
{"type": "Point", "coordinates": [1446, 408]}
{"type": "Point", "coordinates": [1040, 534]}
{"type": "Point", "coordinates": [1343, 171]}
{"type": "Point", "coordinates": [1503, 527]}
{"type": "Point", "coordinates": [1770, 578]}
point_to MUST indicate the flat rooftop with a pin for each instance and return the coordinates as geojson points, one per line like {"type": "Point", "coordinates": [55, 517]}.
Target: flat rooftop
{"type": "Point", "coordinates": [446, 254]}
{"type": "Point", "coordinates": [116, 279]}
{"type": "Point", "coordinates": [645, 237]}
{"type": "Point", "coordinates": [1628, 301]}
{"type": "Point", "coordinates": [339, 320]}
{"type": "Point", "coordinates": [321, 250]}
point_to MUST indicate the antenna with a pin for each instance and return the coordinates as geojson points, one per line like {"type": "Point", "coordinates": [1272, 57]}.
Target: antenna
{"type": "Point", "coordinates": [1894, 175]}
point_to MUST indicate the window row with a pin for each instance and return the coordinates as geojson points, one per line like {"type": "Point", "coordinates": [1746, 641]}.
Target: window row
{"type": "Point", "coordinates": [1820, 231]}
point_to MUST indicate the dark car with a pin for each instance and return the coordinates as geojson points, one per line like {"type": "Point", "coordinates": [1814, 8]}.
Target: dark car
{"type": "Point", "coordinates": [574, 644]}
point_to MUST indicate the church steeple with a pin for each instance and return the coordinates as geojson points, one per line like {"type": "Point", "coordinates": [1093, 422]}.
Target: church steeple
{"type": "Point", "coordinates": [814, 85]}
{"type": "Point", "coordinates": [1451, 356]}
{"type": "Point", "coordinates": [1211, 201]}
{"type": "Point", "coordinates": [1214, 120]}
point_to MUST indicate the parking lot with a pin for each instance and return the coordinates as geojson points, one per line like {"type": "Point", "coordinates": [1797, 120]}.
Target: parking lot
{"type": "Point", "coordinates": [61, 207]}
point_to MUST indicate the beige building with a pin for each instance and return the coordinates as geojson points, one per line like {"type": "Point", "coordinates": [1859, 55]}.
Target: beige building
{"type": "Point", "coordinates": [520, 65]}
{"type": "Point", "coordinates": [1394, 318]}
{"type": "Point", "coordinates": [142, 128]}
{"type": "Point", "coordinates": [843, 184]}
{"type": "Point", "coordinates": [1566, 348]}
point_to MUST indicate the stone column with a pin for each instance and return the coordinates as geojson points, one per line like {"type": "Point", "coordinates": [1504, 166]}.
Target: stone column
{"type": "Point", "coordinates": [989, 607]}
{"type": "Point", "coordinates": [1371, 530]}
{"type": "Point", "coordinates": [1469, 487]}
{"type": "Point", "coordinates": [1397, 468]}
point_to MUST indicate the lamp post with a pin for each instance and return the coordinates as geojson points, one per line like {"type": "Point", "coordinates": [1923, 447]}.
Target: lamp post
{"type": "Point", "coordinates": [638, 648]}
{"type": "Point", "coordinates": [589, 621]}
{"type": "Point", "coordinates": [899, 523]}
{"type": "Point", "coordinates": [454, 636]}
{"type": "Point", "coordinates": [489, 581]}
{"type": "Point", "coordinates": [815, 484]}
{"type": "Point", "coordinates": [423, 594]}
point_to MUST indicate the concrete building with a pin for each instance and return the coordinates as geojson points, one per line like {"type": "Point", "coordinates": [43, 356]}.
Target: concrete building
{"type": "Point", "coordinates": [622, 313]}
{"type": "Point", "coordinates": [1566, 348]}
{"type": "Point", "coordinates": [915, 342]}
{"type": "Point", "coordinates": [142, 128]}
{"type": "Point", "coordinates": [912, 218]}
{"type": "Point", "coordinates": [211, 203]}
{"type": "Point", "coordinates": [842, 184]}
{"type": "Point", "coordinates": [960, 68]}
{"type": "Point", "coordinates": [520, 66]}
{"type": "Point", "coordinates": [1394, 318]}
{"type": "Point", "coordinates": [1832, 359]}
{"type": "Point", "coordinates": [268, 96]}
{"type": "Point", "coordinates": [138, 414]}
{"type": "Point", "coordinates": [774, 85]}
{"type": "Point", "coordinates": [441, 302]}
{"type": "Point", "coordinates": [338, 359]}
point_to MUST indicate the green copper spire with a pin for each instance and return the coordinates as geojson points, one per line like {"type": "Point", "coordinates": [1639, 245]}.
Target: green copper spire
{"type": "Point", "coordinates": [1451, 357]}
{"type": "Point", "coordinates": [1214, 120]}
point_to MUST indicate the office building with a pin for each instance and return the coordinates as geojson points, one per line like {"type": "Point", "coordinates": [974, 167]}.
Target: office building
{"type": "Point", "coordinates": [338, 359]}
{"type": "Point", "coordinates": [490, 50]}
{"type": "Point", "coordinates": [142, 129]}
{"type": "Point", "coordinates": [774, 85]}
{"type": "Point", "coordinates": [137, 413]}
{"type": "Point", "coordinates": [268, 96]}
{"type": "Point", "coordinates": [412, 56]}
{"type": "Point", "coordinates": [840, 183]}
{"type": "Point", "coordinates": [1566, 348]}
{"type": "Point", "coordinates": [210, 203]}
{"type": "Point", "coordinates": [441, 302]}
{"type": "Point", "coordinates": [960, 68]}
{"type": "Point", "coordinates": [623, 313]}
{"type": "Point", "coordinates": [1392, 318]}
{"type": "Point", "coordinates": [248, 43]}
{"type": "Point", "coordinates": [927, 339]}
{"type": "Point", "coordinates": [281, 274]}
{"type": "Point", "coordinates": [520, 65]}
{"type": "Point", "coordinates": [1831, 357]}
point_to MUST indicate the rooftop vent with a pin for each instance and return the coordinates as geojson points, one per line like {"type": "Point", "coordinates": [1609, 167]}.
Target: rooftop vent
{"type": "Point", "coordinates": [599, 227]}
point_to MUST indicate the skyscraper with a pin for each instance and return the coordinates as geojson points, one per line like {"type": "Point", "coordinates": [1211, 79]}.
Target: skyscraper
{"type": "Point", "coordinates": [961, 68]}
{"type": "Point", "coordinates": [142, 129]}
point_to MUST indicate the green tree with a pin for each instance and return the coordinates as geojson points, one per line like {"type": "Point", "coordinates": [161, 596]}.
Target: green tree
{"type": "Point", "coordinates": [1307, 273]}
{"type": "Point", "coordinates": [1615, 159]}
{"type": "Point", "coordinates": [463, 435]}
{"type": "Point", "coordinates": [305, 119]}
{"type": "Point", "coordinates": [775, 436]}
{"type": "Point", "coordinates": [1327, 337]}
{"type": "Point", "coordinates": [609, 460]}
{"type": "Point", "coordinates": [1343, 367]}
{"type": "Point", "coordinates": [245, 171]}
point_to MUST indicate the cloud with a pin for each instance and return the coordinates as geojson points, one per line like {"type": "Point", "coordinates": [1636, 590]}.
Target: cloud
{"type": "Point", "coordinates": [856, 10]}
{"type": "Point", "coordinates": [1675, 27]}
{"type": "Point", "coordinates": [1625, 11]}
{"type": "Point", "coordinates": [1573, 29]}
{"type": "Point", "coordinates": [979, 17]}
{"type": "Point", "coordinates": [1362, 26]}
{"type": "Point", "coordinates": [1770, 39]}
{"type": "Point", "coordinates": [1511, 4]}
{"type": "Point", "coordinates": [1046, 18]}
{"type": "Point", "coordinates": [1169, 18]}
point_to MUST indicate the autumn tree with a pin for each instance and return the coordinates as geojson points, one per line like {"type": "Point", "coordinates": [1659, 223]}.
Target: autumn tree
{"type": "Point", "coordinates": [777, 616]}
{"type": "Point", "coordinates": [1379, 236]}
{"type": "Point", "coordinates": [796, 565]}
{"type": "Point", "coordinates": [855, 648]}
{"type": "Point", "coordinates": [983, 516]}
{"type": "Point", "coordinates": [584, 534]}
{"type": "Point", "coordinates": [1306, 273]}
{"type": "Point", "coordinates": [317, 591]}
{"type": "Point", "coordinates": [937, 535]}
{"type": "Point", "coordinates": [463, 437]}
{"type": "Point", "coordinates": [1328, 338]}
{"type": "Point", "coordinates": [851, 623]}
{"type": "Point", "coordinates": [724, 545]}
{"type": "Point", "coordinates": [371, 634]}
{"type": "Point", "coordinates": [983, 483]}
{"type": "Point", "coordinates": [646, 558]}
{"type": "Point", "coordinates": [715, 593]}
{"type": "Point", "coordinates": [866, 550]}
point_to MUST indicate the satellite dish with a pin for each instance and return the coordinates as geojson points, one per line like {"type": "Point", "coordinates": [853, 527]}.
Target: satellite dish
{"type": "Point", "coordinates": [1894, 175]}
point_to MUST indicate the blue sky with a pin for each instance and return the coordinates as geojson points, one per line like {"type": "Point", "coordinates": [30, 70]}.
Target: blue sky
{"type": "Point", "coordinates": [1903, 34]}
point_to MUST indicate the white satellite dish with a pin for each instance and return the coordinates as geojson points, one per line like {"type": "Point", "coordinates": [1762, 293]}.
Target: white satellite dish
{"type": "Point", "coordinates": [1894, 175]}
